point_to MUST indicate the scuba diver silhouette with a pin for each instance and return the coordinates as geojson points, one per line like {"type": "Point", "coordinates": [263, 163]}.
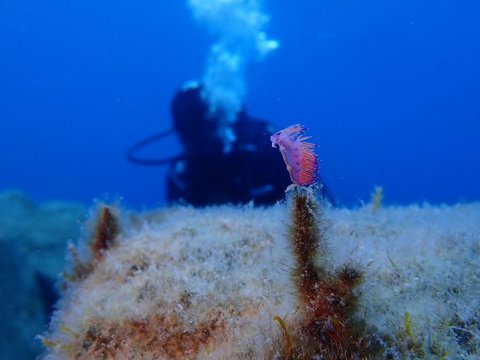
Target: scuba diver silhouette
{"type": "Point", "coordinates": [204, 174]}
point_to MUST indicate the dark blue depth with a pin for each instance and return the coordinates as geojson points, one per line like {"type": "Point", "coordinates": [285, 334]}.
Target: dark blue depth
{"type": "Point", "coordinates": [389, 90]}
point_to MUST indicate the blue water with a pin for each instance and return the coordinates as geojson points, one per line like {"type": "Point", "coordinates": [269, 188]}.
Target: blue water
{"type": "Point", "coordinates": [390, 91]}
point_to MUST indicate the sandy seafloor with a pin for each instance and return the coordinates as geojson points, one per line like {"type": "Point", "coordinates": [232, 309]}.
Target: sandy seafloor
{"type": "Point", "coordinates": [235, 263]}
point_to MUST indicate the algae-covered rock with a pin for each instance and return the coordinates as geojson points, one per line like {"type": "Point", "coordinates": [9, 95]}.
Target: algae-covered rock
{"type": "Point", "coordinates": [218, 283]}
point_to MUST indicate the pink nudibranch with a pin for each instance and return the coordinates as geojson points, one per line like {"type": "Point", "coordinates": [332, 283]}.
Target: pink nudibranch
{"type": "Point", "coordinates": [299, 156]}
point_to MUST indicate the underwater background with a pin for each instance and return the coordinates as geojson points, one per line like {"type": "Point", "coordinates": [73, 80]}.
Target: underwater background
{"type": "Point", "coordinates": [388, 90]}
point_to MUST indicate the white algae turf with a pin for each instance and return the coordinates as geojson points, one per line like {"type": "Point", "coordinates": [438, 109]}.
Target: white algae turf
{"type": "Point", "coordinates": [207, 283]}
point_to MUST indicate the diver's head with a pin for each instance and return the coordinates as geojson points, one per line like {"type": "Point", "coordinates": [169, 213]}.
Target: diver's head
{"type": "Point", "coordinates": [198, 129]}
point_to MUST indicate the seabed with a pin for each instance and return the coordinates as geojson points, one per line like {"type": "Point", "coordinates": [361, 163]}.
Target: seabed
{"type": "Point", "coordinates": [209, 283]}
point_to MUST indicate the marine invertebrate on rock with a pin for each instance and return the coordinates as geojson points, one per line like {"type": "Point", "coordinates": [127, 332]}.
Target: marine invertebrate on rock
{"type": "Point", "coordinates": [215, 283]}
{"type": "Point", "coordinates": [299, 156]}
{"type": "Point", "coordinates": [327, 299]}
